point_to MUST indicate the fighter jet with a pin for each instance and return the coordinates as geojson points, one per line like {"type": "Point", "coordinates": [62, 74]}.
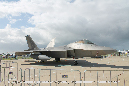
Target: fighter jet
{"type": "Point", "coordinates": [78, 49]}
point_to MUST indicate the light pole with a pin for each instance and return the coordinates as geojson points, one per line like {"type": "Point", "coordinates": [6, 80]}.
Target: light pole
{"type": "Point", "coordinates": [50, 73]}
{"type": "Point", "coordinates": [17, 69]}
{"type": "Point", "coordinates": [80, 75]}
{"type": "Point", "coordinates": [34, 77]}
{"type": "Point", "coordinates": [84, 77]}
{"type": "Point", "coordinates": [24, 77]}
{"type": "Point", "coordinates": [39, 76]}
{"type": "Point", "coordinates": [4, 72]}
{"type": "Point", "coordinates": [21, 76]}
{"type": "Point", "coordinates": [29, 75]}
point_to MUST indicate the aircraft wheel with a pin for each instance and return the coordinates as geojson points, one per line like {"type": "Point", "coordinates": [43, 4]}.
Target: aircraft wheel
{"type": "Point", "coordinates": [57, 59]}
{"type": "Point", "coordinates": [75, 62]}
{"type": "Point", "coordinates": [41, 61]}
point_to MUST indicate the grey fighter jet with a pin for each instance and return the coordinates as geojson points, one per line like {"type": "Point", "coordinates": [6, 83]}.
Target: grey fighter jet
{"type": "Point", "coordinates": [78, 49]}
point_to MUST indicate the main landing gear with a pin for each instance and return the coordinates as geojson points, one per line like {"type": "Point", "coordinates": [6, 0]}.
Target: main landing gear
{"type": "Point", "coordinates": [41, 61]}
{"type": "Point", "coordinates": [57, 59]}
{"type": "Point", "coordinates": [75, 62]}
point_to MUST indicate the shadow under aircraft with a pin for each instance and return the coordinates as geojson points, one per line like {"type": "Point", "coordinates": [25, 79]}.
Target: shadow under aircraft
{"type": "Point", "coordinates": [82, 63]}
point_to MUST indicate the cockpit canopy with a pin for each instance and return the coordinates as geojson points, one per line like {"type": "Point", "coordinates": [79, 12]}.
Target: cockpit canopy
{"type": "Point", "coordinates": [85, 41]}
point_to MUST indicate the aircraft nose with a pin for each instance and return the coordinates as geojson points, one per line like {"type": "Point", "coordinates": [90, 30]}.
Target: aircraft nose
{"type": "Point", "coordinates": [109, 50]}
{"type": "Point", "coordinates": [113, 50]}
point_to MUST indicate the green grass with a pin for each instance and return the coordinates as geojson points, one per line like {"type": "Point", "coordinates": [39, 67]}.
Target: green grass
{"type": "Point", "coordinates": [8, 58]}
{"type": "Point", "coordinates": [19, 57]}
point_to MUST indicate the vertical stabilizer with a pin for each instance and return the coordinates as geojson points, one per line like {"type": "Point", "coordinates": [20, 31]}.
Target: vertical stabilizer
{"type": "Point", "coordinates": [51, 44]}
{"type": "Point", "coordinates": [31, 43]}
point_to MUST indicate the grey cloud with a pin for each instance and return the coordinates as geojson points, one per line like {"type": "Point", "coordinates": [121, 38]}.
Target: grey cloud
{"type": "Point", "coordinates": [104, 22]}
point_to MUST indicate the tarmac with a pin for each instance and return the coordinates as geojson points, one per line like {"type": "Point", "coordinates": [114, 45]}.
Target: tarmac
{"type": "Point", "coordinates": [110, 71]}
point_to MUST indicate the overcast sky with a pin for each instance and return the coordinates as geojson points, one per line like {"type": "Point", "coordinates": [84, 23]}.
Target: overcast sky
{"type": "Point", "coordinates": [104, 22]}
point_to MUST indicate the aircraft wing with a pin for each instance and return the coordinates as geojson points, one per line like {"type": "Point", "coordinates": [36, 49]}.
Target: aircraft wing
{"type": "Point", "coordinates": [56, 52]}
